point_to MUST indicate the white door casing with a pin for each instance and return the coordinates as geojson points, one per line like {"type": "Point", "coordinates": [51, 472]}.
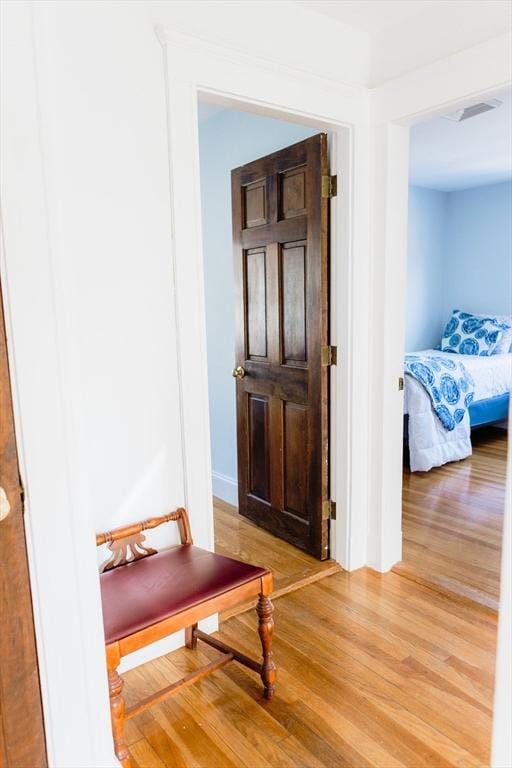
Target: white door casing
{"type": "Point", "coordinates": [195, 68]}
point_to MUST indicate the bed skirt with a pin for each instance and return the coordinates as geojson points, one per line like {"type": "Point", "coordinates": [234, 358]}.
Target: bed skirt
{"type": "Point", "coordinates": [489, 411]}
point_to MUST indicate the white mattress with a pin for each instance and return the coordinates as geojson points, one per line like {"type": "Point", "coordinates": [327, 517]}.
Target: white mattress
{"type": "Point", "coordinates": [492, 375]}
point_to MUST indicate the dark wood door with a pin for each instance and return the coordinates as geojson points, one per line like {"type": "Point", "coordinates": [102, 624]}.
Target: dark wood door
{"type": "Point", "coordinates": [281, 242]}
{"type": "Point", "coordinates": [22, 742]}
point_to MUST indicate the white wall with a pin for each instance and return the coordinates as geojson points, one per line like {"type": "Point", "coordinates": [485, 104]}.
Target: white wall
{"type": "Point", "coordinates": [227, 140]}
{"type": "Point", "coordinates": [85, 199]}
{"type": "Point", "coordinates": [104, 128]}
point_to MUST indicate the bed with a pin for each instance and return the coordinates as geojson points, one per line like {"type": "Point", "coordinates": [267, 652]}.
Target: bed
{"type": "Point", "coordinates": [428, 444]}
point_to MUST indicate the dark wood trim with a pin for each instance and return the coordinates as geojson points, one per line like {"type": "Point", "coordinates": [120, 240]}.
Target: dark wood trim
{"type": "Point", "coordinates": [280, 231]}
{"type": "Point", "coordinates": [21, 712]}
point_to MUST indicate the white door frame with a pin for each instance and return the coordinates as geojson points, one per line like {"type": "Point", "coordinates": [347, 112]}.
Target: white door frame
{"type": "Point", "coordinates": [195, 68]}
{"type": "Point", "coordinates": [445, 86]}
{"type": "Point", "coordinates": [369, 259]}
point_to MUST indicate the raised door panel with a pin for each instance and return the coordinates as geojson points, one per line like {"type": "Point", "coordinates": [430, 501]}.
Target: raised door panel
{"type": "Point", "coordinates": [254, 204]}
{"type": "Point", "coordinates": [293, 290]}
{"type": "Point", "coordinates": [259, 449]}
{"type": "Point", "coordinates": [256, 301]}
{"type": "Point", "coordinates": [292, 193]}
{"type": "Point", "coordinates": [295, 459]}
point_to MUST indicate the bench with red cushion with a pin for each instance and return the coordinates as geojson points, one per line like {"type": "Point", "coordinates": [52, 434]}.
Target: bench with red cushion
{"type": "Point", "coordinates": [148, 595]}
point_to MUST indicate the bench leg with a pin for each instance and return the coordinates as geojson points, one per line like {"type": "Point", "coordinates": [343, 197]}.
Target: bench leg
{"type": "Point", "coordinates": [115, 688]}
{"type": "Point", "coordinates": [265, 609]}
{"type": "Point", "coordinates": [190, 638]}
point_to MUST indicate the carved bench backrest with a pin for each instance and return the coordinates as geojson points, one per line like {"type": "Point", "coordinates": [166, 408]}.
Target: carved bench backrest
{"type": "Point", "coordinates": [127, 543]}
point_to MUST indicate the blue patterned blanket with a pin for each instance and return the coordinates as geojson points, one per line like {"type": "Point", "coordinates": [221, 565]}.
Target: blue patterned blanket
{"type": "Point", "coordinates": [448, 383]}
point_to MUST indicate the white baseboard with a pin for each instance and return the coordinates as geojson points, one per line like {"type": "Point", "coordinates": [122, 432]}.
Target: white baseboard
{"type": "Point", "coordinates": [394, 556]}
{"type": "Point", "coordinates": [225, 488]}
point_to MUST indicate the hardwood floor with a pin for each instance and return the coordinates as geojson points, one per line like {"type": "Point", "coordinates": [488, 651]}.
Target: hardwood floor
{"type": "Point", "coordinates": [235, 536]}
{"type": "Point", "coordinates": [452, 521]}
{"type": "Point", "coordinates": [373, 670]}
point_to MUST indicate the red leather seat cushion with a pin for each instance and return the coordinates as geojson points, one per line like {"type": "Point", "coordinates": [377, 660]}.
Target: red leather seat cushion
{"type": "Point", "coordinates": [140, 594]}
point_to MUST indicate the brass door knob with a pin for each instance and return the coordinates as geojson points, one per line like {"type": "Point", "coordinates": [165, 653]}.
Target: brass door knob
{"type": "Point", "coordinates": [238, 372]}
{"type": "Point", "coordinates": [5, 507]}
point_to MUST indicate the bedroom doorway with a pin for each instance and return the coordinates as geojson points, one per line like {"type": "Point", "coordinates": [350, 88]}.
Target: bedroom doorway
{"type": "Point", "coordinates": [458, 363]}
{"type": "Point", "coordinates": [260, 312]}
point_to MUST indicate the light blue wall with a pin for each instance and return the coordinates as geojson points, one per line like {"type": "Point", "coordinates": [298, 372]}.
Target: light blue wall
{"type": "Point", "coordinates": [479, 250]}
{"type": "Point", "coordinates": [426, 256]}
{"type": "Point", "coordinates": [226, 141]}
{"type": "Point", "coordinates": [460, 257]}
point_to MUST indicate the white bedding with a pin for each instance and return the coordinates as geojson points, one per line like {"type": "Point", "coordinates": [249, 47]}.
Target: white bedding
{"type": "Point", "coordinates": [430, 444]}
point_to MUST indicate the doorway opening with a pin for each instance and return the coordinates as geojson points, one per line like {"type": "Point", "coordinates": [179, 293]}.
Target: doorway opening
{"type": "Point", "coordinates": [249, 307]}
{"type": "Point", "coordinates": [458, 363]}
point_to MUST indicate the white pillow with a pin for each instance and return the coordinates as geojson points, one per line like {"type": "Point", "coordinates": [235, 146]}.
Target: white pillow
{"type": "Point", "coordinates": [504, 345]}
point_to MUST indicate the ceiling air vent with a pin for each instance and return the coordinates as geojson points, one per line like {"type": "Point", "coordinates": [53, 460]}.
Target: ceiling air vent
{"type": "Point", "coordinates": [473, 110]}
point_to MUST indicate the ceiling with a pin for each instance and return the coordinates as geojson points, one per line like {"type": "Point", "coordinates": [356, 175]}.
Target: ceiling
{"type": "Point", "coordinates": [406, 34]}
{"type": "Point", "coordinates": [449, 156]}
{"type": "Point", "coordinates": [373, 16]}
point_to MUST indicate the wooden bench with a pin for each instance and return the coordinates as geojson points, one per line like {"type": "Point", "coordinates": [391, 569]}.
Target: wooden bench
{"type": "Point", "coordinates": [148, 595]}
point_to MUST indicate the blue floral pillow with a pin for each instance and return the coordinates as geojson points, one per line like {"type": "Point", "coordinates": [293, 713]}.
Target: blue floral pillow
{"type": "Point", "coordinates": [468, 334]}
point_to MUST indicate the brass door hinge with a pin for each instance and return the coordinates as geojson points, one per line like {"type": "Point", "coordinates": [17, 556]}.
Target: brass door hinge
{"type": "Point", "coordinates": [329, 186]}
{"type": "Point", "coordinates": [329, 355]}
{"type": "Point", "coordinates": [328, 510]}
{"type": "Point", "coordinates": [400, 383]}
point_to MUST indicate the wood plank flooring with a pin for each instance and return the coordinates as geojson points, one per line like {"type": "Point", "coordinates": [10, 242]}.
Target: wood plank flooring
{"type": "Point", "coordinates": [235, 536]}
{"type": "Point", "coordinates": [452, 521]}
{"type": "Point", "coordinates": [373, 670]}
